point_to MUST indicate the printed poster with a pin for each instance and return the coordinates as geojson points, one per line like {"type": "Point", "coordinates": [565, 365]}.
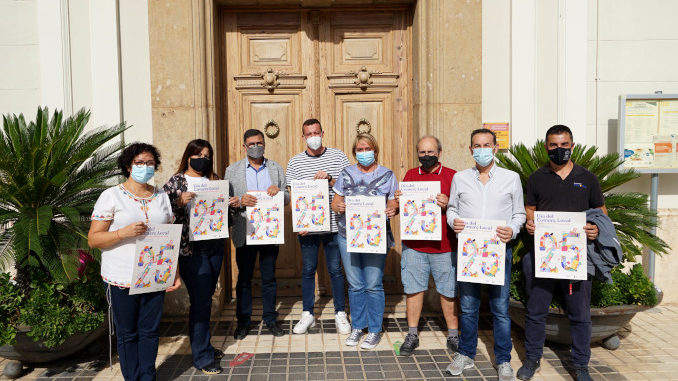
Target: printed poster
{"type": "Point", "coordinates": [481, 256]}
{"type": "Point", "coordinates": [310, 205]}
{"type": "Point", "coordinates": [421, 217]}
{"type": "Point", "coordinates": [366, 224]}
{"type": "Point", "coordinates": [156, 258]}
{"type": "Point", "coordinates": [265, 220]}
{"type": "Point", "coordinates": [208, 211]}
{"type": "Point", "coordinates": [560, 245]}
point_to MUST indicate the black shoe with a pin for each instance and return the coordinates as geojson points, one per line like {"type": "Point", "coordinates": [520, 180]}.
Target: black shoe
{"type": "Point", "coordinates": [218, 354]}
{"type": "Point", "coordinates": [241, 332]}
{"type": "Point", "coordinates": [453, 343]}
{"type": "Point", "coordinates": [275, 329]}
{"type": "Point", "coordinates": [212, 369]}
{"type": "Point", "coordinates": [411, 343]}
{"type": "Point", "coordinates": [526, 372]}
{"type": "Point", "coordinates": [582, 374]}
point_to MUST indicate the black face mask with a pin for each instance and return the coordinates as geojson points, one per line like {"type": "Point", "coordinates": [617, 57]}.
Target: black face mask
{"type": "Point", "coordinates": [200, 164]}
{"type": "Point", "coordinates": [428, 162]}
{"type": "Point", "coordinates": [560, 155]}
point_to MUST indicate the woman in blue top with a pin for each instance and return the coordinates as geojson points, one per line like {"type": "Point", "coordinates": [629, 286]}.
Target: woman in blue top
{"type": "Point", "coordinates": [364, 271]}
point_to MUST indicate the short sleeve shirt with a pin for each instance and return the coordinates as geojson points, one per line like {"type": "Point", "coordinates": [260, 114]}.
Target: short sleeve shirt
{"type": "Point", "coordinates": [122, 208]}
{"type": "Point", "coordinates": [448, 242]}
{"type": "Point", "coordinates": [578, 192]}
{"type": "Point", "coordinates": [353, 182]}
{"type": "Point", "coordinates": [303, 166]}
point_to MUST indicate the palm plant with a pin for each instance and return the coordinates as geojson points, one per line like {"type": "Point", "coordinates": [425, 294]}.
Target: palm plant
{"type": "Point", "coordinates": [51, 173]}
{"type": "Point", "coordinates": [628, 211]}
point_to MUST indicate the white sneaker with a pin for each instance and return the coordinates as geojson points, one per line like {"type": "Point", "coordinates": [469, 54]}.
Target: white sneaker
{"type": "Point", "coordinates": [307, 321]}
{"type": "Point", "coordinates": [354, 338]}
{"type": "Point", "coordinates": [371, 341]}
{"type": "Point", "coordinates": [341, 321]}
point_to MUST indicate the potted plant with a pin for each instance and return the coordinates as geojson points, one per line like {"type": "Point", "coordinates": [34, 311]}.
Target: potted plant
{"type": "Point", "coordinates": [51, 173]}
{"type": "Point", "coordinates": [613, 305]}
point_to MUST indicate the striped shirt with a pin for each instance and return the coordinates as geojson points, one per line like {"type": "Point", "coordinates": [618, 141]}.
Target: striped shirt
{"type": "Point", "coordinates": [303, 166]}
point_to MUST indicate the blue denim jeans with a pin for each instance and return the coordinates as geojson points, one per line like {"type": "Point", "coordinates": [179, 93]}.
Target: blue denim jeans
{"type": "Point", "coordinates": [310, 245]}
{"type": "Point", "coordinates": [200, 273]}
{"type": "Point", "coordinates": [469, 295]}
{"type": "Point", "coordinates": [364, 272]}
{"type": "Point", "coordinates": [136, 319]}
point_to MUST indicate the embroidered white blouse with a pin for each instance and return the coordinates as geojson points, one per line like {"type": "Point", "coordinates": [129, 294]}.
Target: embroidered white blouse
{"type": "Point", "coordinates": [120, 206]}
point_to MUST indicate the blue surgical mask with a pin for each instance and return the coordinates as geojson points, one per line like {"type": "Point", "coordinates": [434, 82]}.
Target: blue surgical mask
{"type": "Point", "coordinates": [483, 156]}
{"type": "Point", "coordinates": [365, 158]}
{"type": "Point", "coordinates": [142, 173]}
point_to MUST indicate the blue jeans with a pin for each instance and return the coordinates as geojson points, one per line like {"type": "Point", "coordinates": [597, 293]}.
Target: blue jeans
{"type": "Point", "coordinates": [246, 259]}
{"type": "Point", "coordinates": [200, 273]}
{"type": "Point", "coordinates": [365, 272]}
{"type": "Point", "coordinates": [469, 295]}
{"type": "Point", "coordinates": [136, 319]}
{"type": "Point", "coordinates": [310, 244]}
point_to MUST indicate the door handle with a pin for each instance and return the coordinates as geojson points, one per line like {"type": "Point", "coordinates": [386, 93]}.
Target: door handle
{"type": "Point", "coordinates": [271, 129]}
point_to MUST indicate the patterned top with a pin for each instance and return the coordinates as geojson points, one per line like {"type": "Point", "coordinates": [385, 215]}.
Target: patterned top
{"type": "Point", "coordinates": [175, 186]}
{"type": "Point", "coordinates": [354, 182]}
{"type": "Point", "coordinates": [121, 207]}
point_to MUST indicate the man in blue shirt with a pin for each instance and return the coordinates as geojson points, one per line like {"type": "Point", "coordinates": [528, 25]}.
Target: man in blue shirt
{"type": "Point", "coordinates": [254, 173]}
{"type": "Point", "coordinates": [486, 192]}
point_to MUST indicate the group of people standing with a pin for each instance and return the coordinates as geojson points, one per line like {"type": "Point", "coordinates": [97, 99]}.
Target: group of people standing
{"type": "Point", "coordinates": [484, 191]}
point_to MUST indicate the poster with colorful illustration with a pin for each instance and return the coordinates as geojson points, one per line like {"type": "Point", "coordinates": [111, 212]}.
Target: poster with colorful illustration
{"type": "Point", "coordinates": [420, 216]}
{"type": "Point", "coordinates": [560, 245]}
{"type": "Point", "coordinates": [481, 256]}
{"type": "Point", "coordinates": [208, 211]}
{"type": "Point", "coordinates": [156, 258]}
{"type": "Point", "coordinates": [310, 205]}
{"type": "Point", "coordinates": [266, 220]}
{"type": "Point", "coordinates": [366, 224]}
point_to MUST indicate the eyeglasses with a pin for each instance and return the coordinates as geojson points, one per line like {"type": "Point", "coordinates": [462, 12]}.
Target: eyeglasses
{"type": "Point", "coordinates": [150, 163]}
{"type": "Point", "coordinates": [200, 156]}
{"type": "Point", "coordinates": [255, 144]}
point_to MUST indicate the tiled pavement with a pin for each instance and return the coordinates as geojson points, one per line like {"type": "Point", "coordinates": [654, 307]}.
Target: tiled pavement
{"type": "Point", "coordinates": [648, 352]}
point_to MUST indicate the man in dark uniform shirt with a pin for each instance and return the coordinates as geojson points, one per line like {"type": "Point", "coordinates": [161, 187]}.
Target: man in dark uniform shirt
{"type": "Point", "coordinates": [560, 186]}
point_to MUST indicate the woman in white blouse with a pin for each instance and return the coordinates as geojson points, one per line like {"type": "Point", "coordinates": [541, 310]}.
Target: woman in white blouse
{"type": "Point", "coordinates": [121, 214]}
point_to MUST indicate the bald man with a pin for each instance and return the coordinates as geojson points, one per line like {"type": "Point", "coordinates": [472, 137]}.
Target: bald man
{"type": "Point", "coordinates": [421, 259]}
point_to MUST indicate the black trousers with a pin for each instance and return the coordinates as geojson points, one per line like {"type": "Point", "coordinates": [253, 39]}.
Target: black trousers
{"type": "Point", "coordinates": [539, 295]}
{"type": "Point", "coordinates": [246, 259]}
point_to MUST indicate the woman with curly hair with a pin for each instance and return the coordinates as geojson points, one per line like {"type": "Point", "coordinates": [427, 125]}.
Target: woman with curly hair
{"type": "Point", "coordinates": [120, 215]}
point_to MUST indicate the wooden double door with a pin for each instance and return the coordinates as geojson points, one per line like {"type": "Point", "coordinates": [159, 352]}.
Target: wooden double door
{"type": "Point", "coordinates": [349, 69]}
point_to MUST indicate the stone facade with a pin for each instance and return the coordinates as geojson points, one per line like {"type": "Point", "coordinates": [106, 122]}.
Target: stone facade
{"type": "Point", "coordinates": [446, 58]}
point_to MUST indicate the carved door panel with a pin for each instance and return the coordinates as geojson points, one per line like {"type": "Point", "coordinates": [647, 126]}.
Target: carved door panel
{"type": "Point", "coordinates": [349, 69]}
{"type": "Point", "coordinates": [270, 87]}
{"type": "Point", "coordinates": [363, 80]}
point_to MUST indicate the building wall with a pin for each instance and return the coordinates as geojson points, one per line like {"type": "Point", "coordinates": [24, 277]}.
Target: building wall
{"type": "Point", "coordinates": [532, 55]}
{"type": "Point", "coordinates": [20, 49]}
{"type": "Point", "coordinates": [67, 54]}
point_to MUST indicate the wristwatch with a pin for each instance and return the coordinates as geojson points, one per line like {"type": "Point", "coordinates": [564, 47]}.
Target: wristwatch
{"type": "Point", "coordinates": [329, 178]}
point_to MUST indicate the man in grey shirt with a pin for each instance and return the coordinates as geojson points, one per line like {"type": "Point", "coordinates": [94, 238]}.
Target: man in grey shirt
{"type": "Point", "coordinates": [492, 193]}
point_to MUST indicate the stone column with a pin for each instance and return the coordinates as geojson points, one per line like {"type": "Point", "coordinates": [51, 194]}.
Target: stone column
{"type": "Point", "coordinates": [182, 77]}
{"type": "Point", "coordinates": [182, 94]}
{"type": "Point", "coordinates": [447, 86]}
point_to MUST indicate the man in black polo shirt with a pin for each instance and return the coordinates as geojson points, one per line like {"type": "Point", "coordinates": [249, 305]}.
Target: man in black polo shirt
{"type": "Point", "coordinates": [560, 186]}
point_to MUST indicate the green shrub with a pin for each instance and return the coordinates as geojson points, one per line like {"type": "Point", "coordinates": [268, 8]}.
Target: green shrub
{"type": "Point", "coordinates": [633, 288]}
{"type": "Point", "coordinates": [52, 312]}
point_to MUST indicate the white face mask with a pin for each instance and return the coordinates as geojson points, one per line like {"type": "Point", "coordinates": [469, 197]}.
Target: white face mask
{"type": "Point", "coordinates": [314, 142]}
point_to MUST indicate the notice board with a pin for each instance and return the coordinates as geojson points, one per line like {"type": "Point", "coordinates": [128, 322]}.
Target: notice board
{"type": "Point", "coordinates": [648, 132]}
